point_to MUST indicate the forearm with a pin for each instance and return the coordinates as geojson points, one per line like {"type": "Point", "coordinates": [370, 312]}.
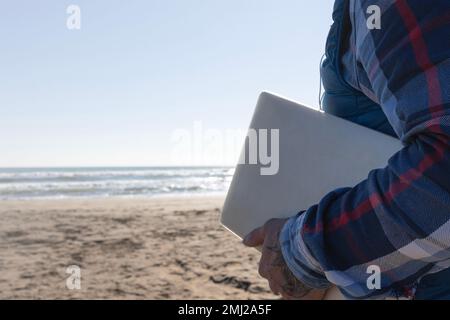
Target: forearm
{"type": "Point", "coordinates": [398, 220]}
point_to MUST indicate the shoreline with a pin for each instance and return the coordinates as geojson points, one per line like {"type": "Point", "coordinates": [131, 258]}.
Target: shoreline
{"type": "Point", "coordinates": [142, 198]}
{"type": "Point", "coordinates": [218, 195]}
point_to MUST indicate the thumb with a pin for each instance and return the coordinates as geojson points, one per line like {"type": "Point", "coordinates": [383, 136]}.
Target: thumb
{"type": "Point", "coordinates": [255, 238]}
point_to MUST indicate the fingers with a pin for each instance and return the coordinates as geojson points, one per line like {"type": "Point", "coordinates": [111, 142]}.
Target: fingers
{"type": "Point", "coordinates": [255, 238]}
{"type": "Point", "coordinates": [270, 266]}
{"type": "Point", "coordinates": [263, 270]}
{"type": "Point", "coordinates": [265, 273]}
{"type": "Point", "coordinates": [285, 296]}
{"type": "Point", "coordinates": [275, 288]}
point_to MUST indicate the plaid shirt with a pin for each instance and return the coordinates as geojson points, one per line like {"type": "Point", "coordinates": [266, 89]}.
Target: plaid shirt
{"type": "Point", "coordinates": [398, 219]}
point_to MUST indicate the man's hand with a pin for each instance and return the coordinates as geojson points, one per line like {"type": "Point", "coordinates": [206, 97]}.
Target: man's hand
{"type": "Point", "coordinates": [273, 267]}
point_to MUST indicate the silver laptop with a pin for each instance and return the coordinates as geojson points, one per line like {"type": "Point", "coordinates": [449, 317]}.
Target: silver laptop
{"type": "Point", "coordinates": [316, 153]}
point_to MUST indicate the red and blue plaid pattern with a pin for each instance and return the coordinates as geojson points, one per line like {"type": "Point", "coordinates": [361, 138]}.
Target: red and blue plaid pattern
{"type": "Point", "coordinates": [399, 218]}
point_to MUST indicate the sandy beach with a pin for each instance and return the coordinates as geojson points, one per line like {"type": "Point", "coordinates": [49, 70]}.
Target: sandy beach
{"type": "Point", "coordinates": [162, 248]}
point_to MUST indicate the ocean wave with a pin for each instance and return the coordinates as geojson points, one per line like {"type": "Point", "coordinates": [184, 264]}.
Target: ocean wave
{"type": "Point", "coordinates": [93, 175]}
{"type": "Point", "coordinates": [108, 182]}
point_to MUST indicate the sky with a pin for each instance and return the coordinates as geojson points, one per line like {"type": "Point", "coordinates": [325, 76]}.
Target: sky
{"type": "Point", "coordinates": [149, 82]}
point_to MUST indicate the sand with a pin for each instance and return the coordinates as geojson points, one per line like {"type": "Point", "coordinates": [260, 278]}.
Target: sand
{"type": "Point", "coordinates": [166, 248]}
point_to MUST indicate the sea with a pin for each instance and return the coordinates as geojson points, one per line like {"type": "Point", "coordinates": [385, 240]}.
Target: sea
{"type": "Point", "coordinates": [61, 183]}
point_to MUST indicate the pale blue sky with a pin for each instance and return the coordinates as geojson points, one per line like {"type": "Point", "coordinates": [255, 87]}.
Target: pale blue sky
{"type": "Point", "coordinates": [113, 92]}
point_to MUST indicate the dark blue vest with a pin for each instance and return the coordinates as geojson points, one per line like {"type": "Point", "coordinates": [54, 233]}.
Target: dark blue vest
{"type": "Point", "coordinates": [341, 99]}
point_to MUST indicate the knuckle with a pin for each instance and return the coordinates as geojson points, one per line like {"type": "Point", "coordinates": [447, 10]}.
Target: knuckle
{"type": "Point", "coordinates": [262, 270]}
{"type": "Point", "coordinates": [269, 224]}
{"type": "Point", "coordinates": [286, 296]}
{"type": "Point", "coordinates": [274, 288]}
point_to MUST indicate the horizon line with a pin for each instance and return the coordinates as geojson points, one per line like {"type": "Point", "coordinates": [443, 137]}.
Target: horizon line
{"type": "Point", "coordinates": [120, 166]}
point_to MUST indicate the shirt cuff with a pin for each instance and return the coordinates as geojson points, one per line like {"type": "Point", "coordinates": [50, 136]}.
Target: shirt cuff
{"type": "Point", "coordinates": [297, 256]}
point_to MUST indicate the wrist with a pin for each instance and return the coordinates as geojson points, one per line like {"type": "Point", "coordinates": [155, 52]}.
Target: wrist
{"type": "Point", "coordinates": [297, 256]}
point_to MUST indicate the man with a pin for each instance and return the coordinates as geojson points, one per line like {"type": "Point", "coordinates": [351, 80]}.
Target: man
{"type": "Point", "coordinates": [394, 78]}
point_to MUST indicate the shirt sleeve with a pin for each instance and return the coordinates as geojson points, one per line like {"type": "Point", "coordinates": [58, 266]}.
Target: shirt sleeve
{"type": "Point", "coordinates": [396, 221]}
